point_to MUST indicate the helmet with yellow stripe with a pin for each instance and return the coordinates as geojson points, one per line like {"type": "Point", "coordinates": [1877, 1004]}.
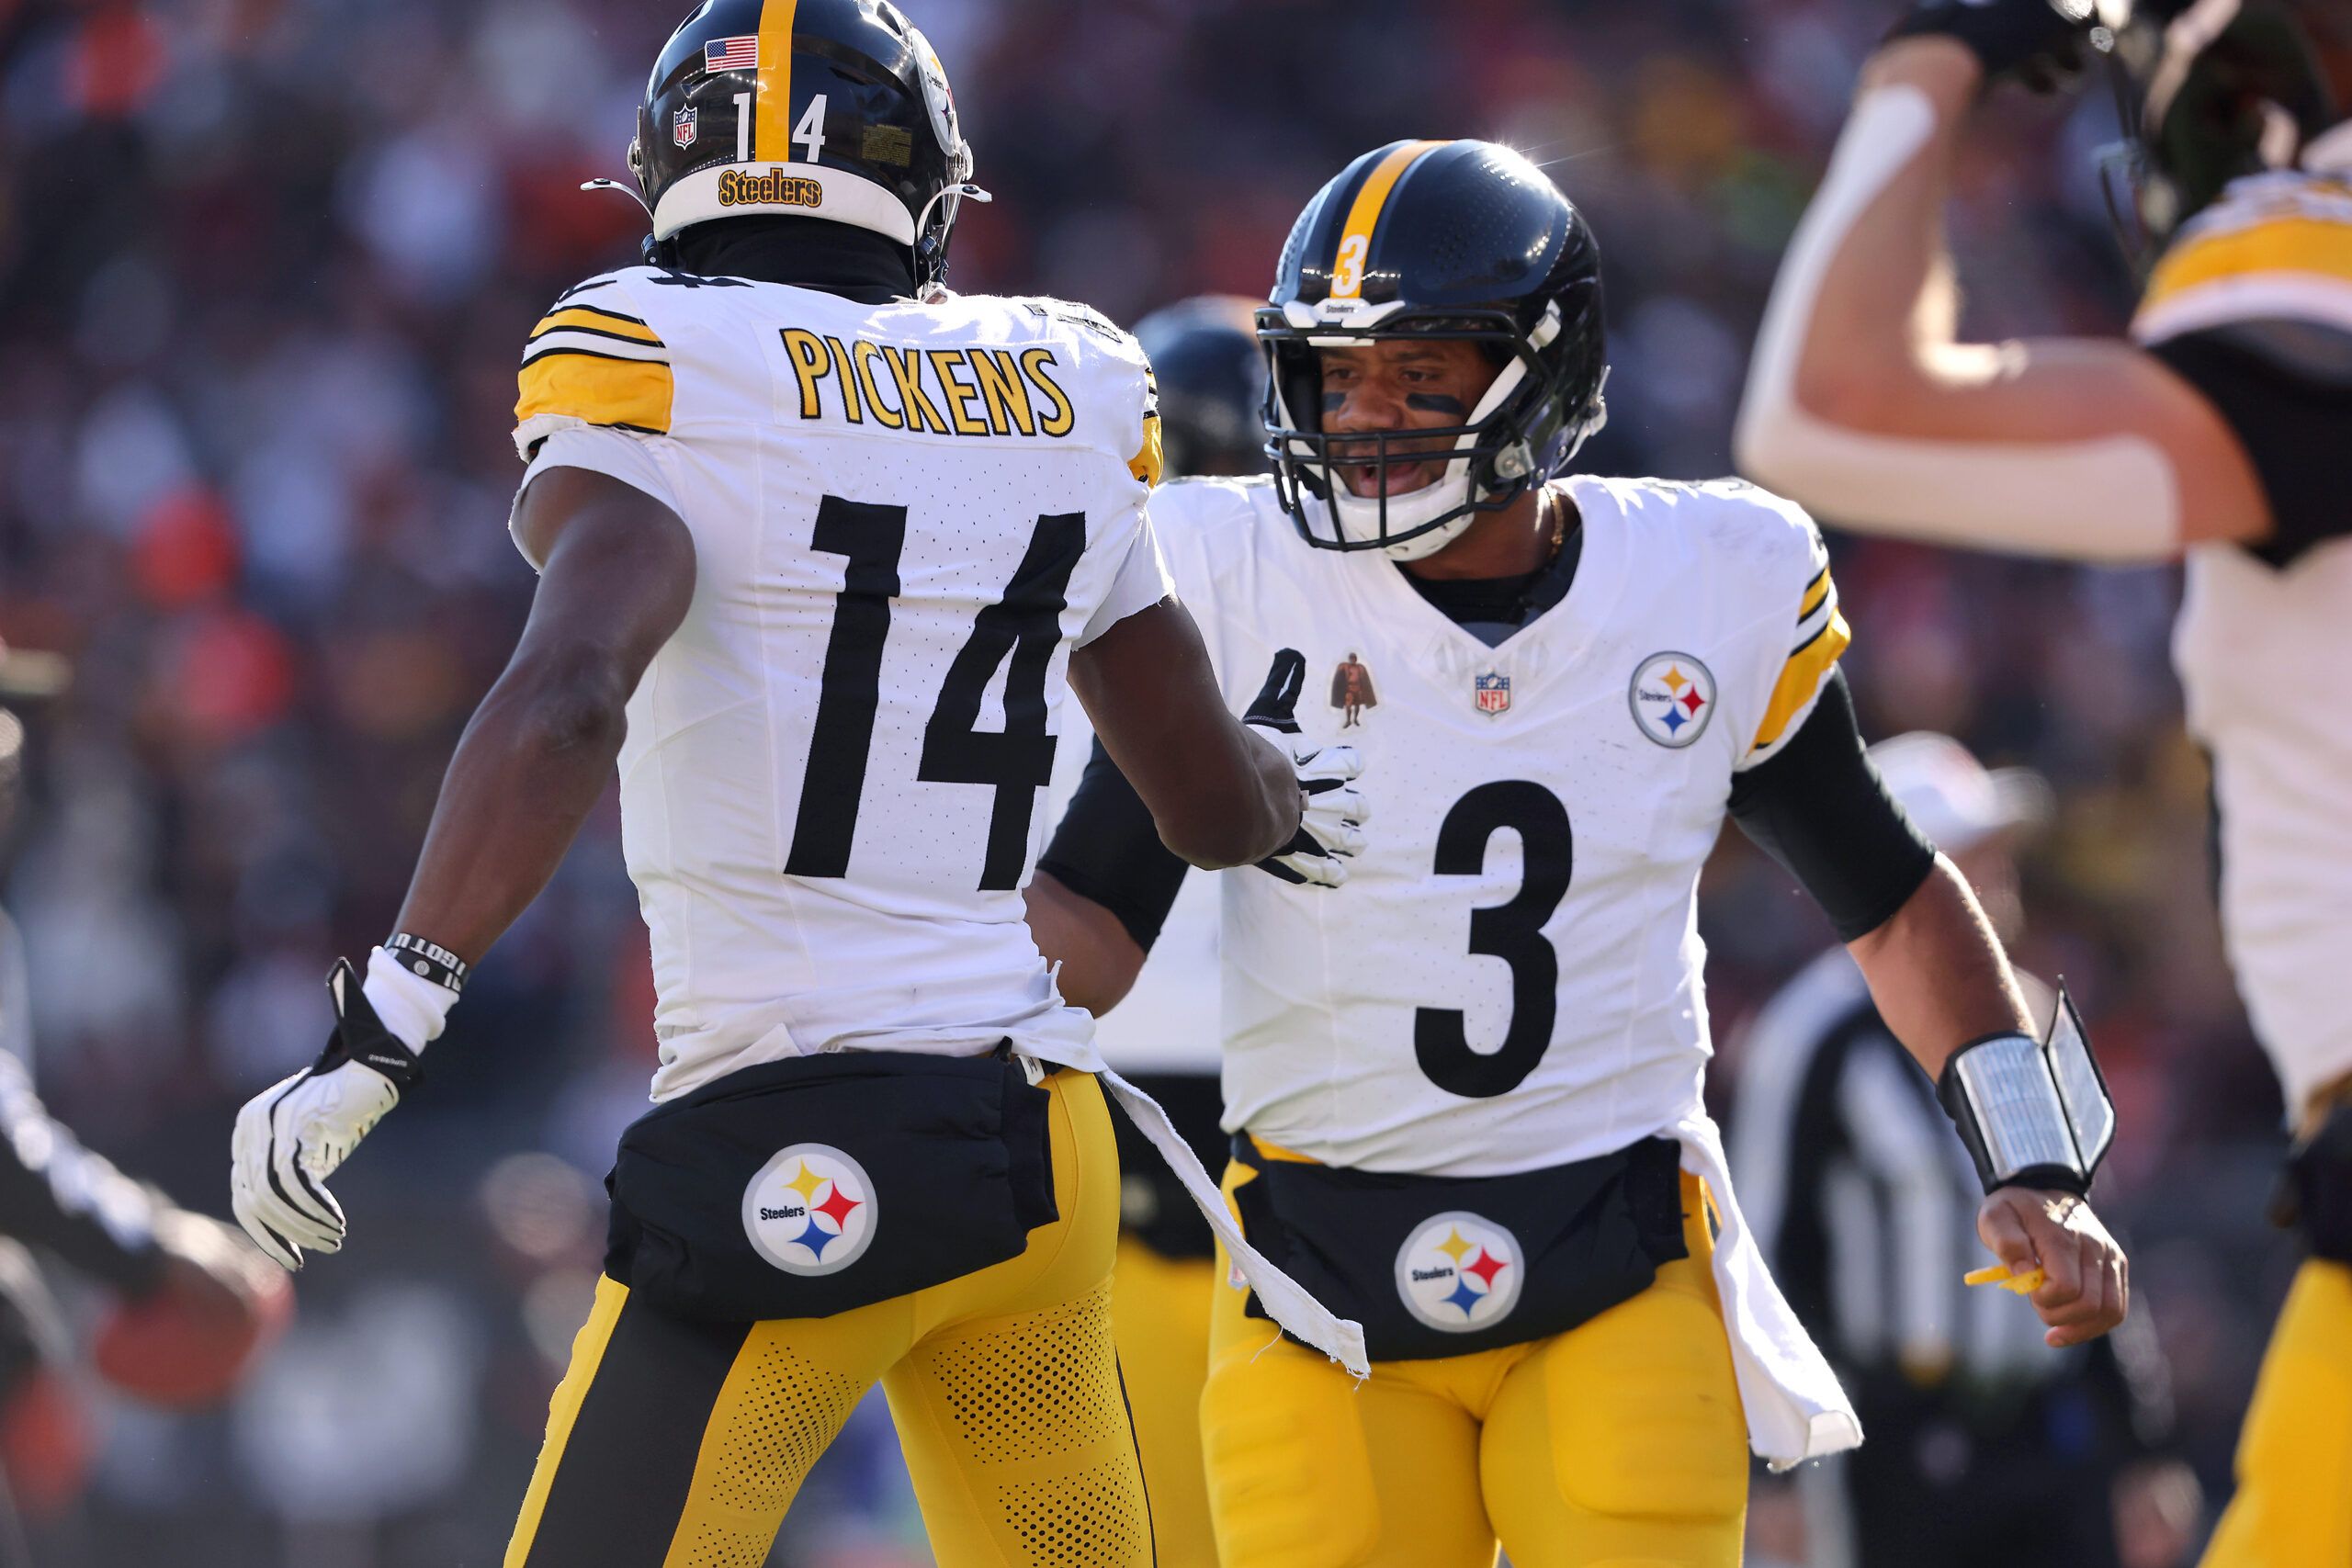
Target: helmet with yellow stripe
{"type": "Point", "coordinates": [1441, 240]}
{"type": "Point", "coordinates": [836, 109]}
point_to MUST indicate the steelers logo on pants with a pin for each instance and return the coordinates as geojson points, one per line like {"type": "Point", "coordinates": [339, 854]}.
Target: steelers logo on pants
{"type": "Point", "coordinates": [811, 1210]}
{"type": "Point", "coordinates": [1459, 1272]}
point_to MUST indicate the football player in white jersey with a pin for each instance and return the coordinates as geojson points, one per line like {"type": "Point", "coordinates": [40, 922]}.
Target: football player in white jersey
{"type": "Point", "coordinates": [1211, 381]}
{"type": "Point", "coordinates": [2216, 434]}
{"type": "Point", "coordinates": [822, 548]}
{"type": "Point", "coordinates": [1466, 1093]}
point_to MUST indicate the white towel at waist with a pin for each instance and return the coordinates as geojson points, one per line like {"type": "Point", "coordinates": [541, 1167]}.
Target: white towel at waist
{"type": "Point", "coordinates": [1796, 1410]}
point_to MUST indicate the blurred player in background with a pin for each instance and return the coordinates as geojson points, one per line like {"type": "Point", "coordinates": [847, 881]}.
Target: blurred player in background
{"type": "Point", "coordinates": [2216, 432]}
{"type": "Point", "coordinates": [198, 1304]}
{"type": "Point", "coordinates": [1164, 1034]}
{"type": "Point", "coordinates": [1466, 1093]}
{"type": "Point", "coordinates": [819, 546]}
{"type": "Point", "coordinates": [1867, 1214]}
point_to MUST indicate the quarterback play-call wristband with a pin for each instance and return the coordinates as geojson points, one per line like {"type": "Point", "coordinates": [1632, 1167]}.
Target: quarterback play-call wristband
{"type": "Point", "coordinates": [429, 959]}
{"type": "Point", "coordinates": [2032, 1115]}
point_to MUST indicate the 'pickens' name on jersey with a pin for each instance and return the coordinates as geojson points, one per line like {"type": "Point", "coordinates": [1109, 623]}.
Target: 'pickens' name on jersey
{"type": "Point", "coordinates": [969, 390]}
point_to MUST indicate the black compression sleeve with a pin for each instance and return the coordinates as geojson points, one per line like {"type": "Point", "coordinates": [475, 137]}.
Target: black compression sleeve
{"type": "Point", "coordinates": [1821, 810]}
{"type": "Point", "coordinates": [1108, 849]}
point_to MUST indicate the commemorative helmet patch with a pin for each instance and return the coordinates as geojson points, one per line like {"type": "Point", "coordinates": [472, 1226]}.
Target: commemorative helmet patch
{"type": "Point", "coordinates": [811, 1210]}
{"type": "Point", "coordinates": [1459, 1271]}
{"type": "Point", "coordinates": [1672, 696]}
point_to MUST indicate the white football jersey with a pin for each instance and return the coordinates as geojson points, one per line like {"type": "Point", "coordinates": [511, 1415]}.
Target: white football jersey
{"type": "Point", "coordinates": [2257, 646]}
{"type": "Point", "coordinates": [904, 517]}
{"type": "Point", "coordinates": [1510, 978]}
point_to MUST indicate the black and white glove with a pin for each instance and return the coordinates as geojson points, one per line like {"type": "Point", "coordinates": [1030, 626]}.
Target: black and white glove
{"type": "Point", "coordinates": [292, 1135]}
{"type": "Point", "coordinates": [2036, 42]}
{"type": "Point", "coordinates": [1332, 812]}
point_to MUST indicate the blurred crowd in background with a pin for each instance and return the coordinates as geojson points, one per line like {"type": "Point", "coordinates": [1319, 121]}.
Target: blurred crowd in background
{"type": "Point", "coordinates": [266, 269]}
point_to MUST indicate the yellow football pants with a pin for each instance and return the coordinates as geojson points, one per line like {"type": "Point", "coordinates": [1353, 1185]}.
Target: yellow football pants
{"type": "Point", "coordinates": [2293, 1507]}
{"type": "Point", "coordinates": [1159, 1317]}
{"type": "Point", "coordinates": [676, 1444]}
{"type": "Point", "coordinates": [1618, 1444]}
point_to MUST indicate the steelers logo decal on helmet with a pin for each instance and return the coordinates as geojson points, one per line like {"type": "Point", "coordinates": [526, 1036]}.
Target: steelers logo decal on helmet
{"type": "Point", "coordinates": [1459, 1272]}
{"type": "Point", "coordinates": [1672, 696]}
{"type": "Point", "coordinates": [811, 1210]}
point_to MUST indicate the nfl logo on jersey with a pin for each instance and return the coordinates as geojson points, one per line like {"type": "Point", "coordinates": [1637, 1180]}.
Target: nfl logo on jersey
{"type": "Point", "coordinates": [682, 126]}
{"type": "Point", "coordinates": [1491, 692]}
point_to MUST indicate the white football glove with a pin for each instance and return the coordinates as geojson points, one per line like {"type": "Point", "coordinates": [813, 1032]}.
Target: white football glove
{"type": "Point", "coordinates": [1332, 812]}
{"type": "Point", "coordinates": [292, 1135]}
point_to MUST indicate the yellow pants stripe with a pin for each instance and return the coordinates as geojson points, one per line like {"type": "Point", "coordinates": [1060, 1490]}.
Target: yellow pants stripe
{"type": "Point", "coordinates": [587, 1355]}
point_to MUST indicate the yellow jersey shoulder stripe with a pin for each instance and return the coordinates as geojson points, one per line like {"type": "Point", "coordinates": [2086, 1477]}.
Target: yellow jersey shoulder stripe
{"type": "Point", "coordinates": [596, 322]}
{"type": "Point", "coordinates": [1816, 593]}
{"type": "Point", "coordinates": [2297, 267]}
{"type": "Point", "coordinates": [565, 385]}
{"type": "Point", "coordinates": [1802, 676]}
{"type": "Point", "coordinates": [1150, 461]}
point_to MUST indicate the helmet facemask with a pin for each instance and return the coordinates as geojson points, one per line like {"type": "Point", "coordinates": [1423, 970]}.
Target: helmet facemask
{"type": "Point", "coordinates": [1521, 431]}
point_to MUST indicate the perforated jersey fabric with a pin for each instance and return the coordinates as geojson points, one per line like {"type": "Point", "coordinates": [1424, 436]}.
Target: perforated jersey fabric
{"type": "Point", "coordinates": [681, 1445]}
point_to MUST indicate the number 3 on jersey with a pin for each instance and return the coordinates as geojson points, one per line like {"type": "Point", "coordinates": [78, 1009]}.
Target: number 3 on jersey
{"type": "Point", "coordinates": [1512, 931]}
{"type": "Point", "coordinates": [1025, 625]}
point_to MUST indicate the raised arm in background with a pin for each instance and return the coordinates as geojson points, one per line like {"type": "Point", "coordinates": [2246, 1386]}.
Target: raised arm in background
{"type": "Point", "coordinates": [1863, 403]}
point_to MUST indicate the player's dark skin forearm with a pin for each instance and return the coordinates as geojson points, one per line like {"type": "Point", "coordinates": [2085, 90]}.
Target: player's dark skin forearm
{"type": "Point", "coordinates": [1938, 973]}
{"type": "Point", "coordinates": [1220, 795]}
{"type": "Point", "coordinates": [617, 577]}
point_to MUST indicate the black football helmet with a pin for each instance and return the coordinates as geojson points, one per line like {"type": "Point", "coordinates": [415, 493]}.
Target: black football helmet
{"type": "Point", "coordinates": [836, 109]}
{"type": "Point", "coordinates": [1455, 240]}
{"type": "Point", "coordinates": [1212, 379]}
{"type": "Point", "coordinates": [2211, 91]}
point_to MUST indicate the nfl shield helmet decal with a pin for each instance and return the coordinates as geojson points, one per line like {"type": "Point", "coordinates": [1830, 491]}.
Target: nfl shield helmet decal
{"type": "Point", "coordinates": [682, 126]}
{"type": "Point", "coordinates": [1459, 1272]}
{"type": "Point", "coordinates": [1673, 697]}
{"type": "Point", "coordinates": [1492, 693]}
{"type": "Point", "coordinates": [811, 1210]}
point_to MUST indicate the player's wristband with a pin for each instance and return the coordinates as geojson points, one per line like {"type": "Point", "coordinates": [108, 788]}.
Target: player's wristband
{"type": "Point", "coordinates": [2032, 1115]}
{"type": "Point", "coordinates": [427, 959]}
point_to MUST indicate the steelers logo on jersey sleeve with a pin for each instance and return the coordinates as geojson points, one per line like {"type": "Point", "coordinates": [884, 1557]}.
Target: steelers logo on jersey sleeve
{"type": "Point", "coordinates": [811, 1210]}
{"type": "Point", "coordinates": [1672, 696]}
{"type": "Point", "coordinates": [1459, 1272]}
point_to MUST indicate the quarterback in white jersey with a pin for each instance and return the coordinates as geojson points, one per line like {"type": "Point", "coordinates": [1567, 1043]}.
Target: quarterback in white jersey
{"type": "Point", "coordinates": [823, 547]}
{"type": "Point", "coordinates": [2215, 434]}
{"type": "Point", "coordinates": [1465, 1094]}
